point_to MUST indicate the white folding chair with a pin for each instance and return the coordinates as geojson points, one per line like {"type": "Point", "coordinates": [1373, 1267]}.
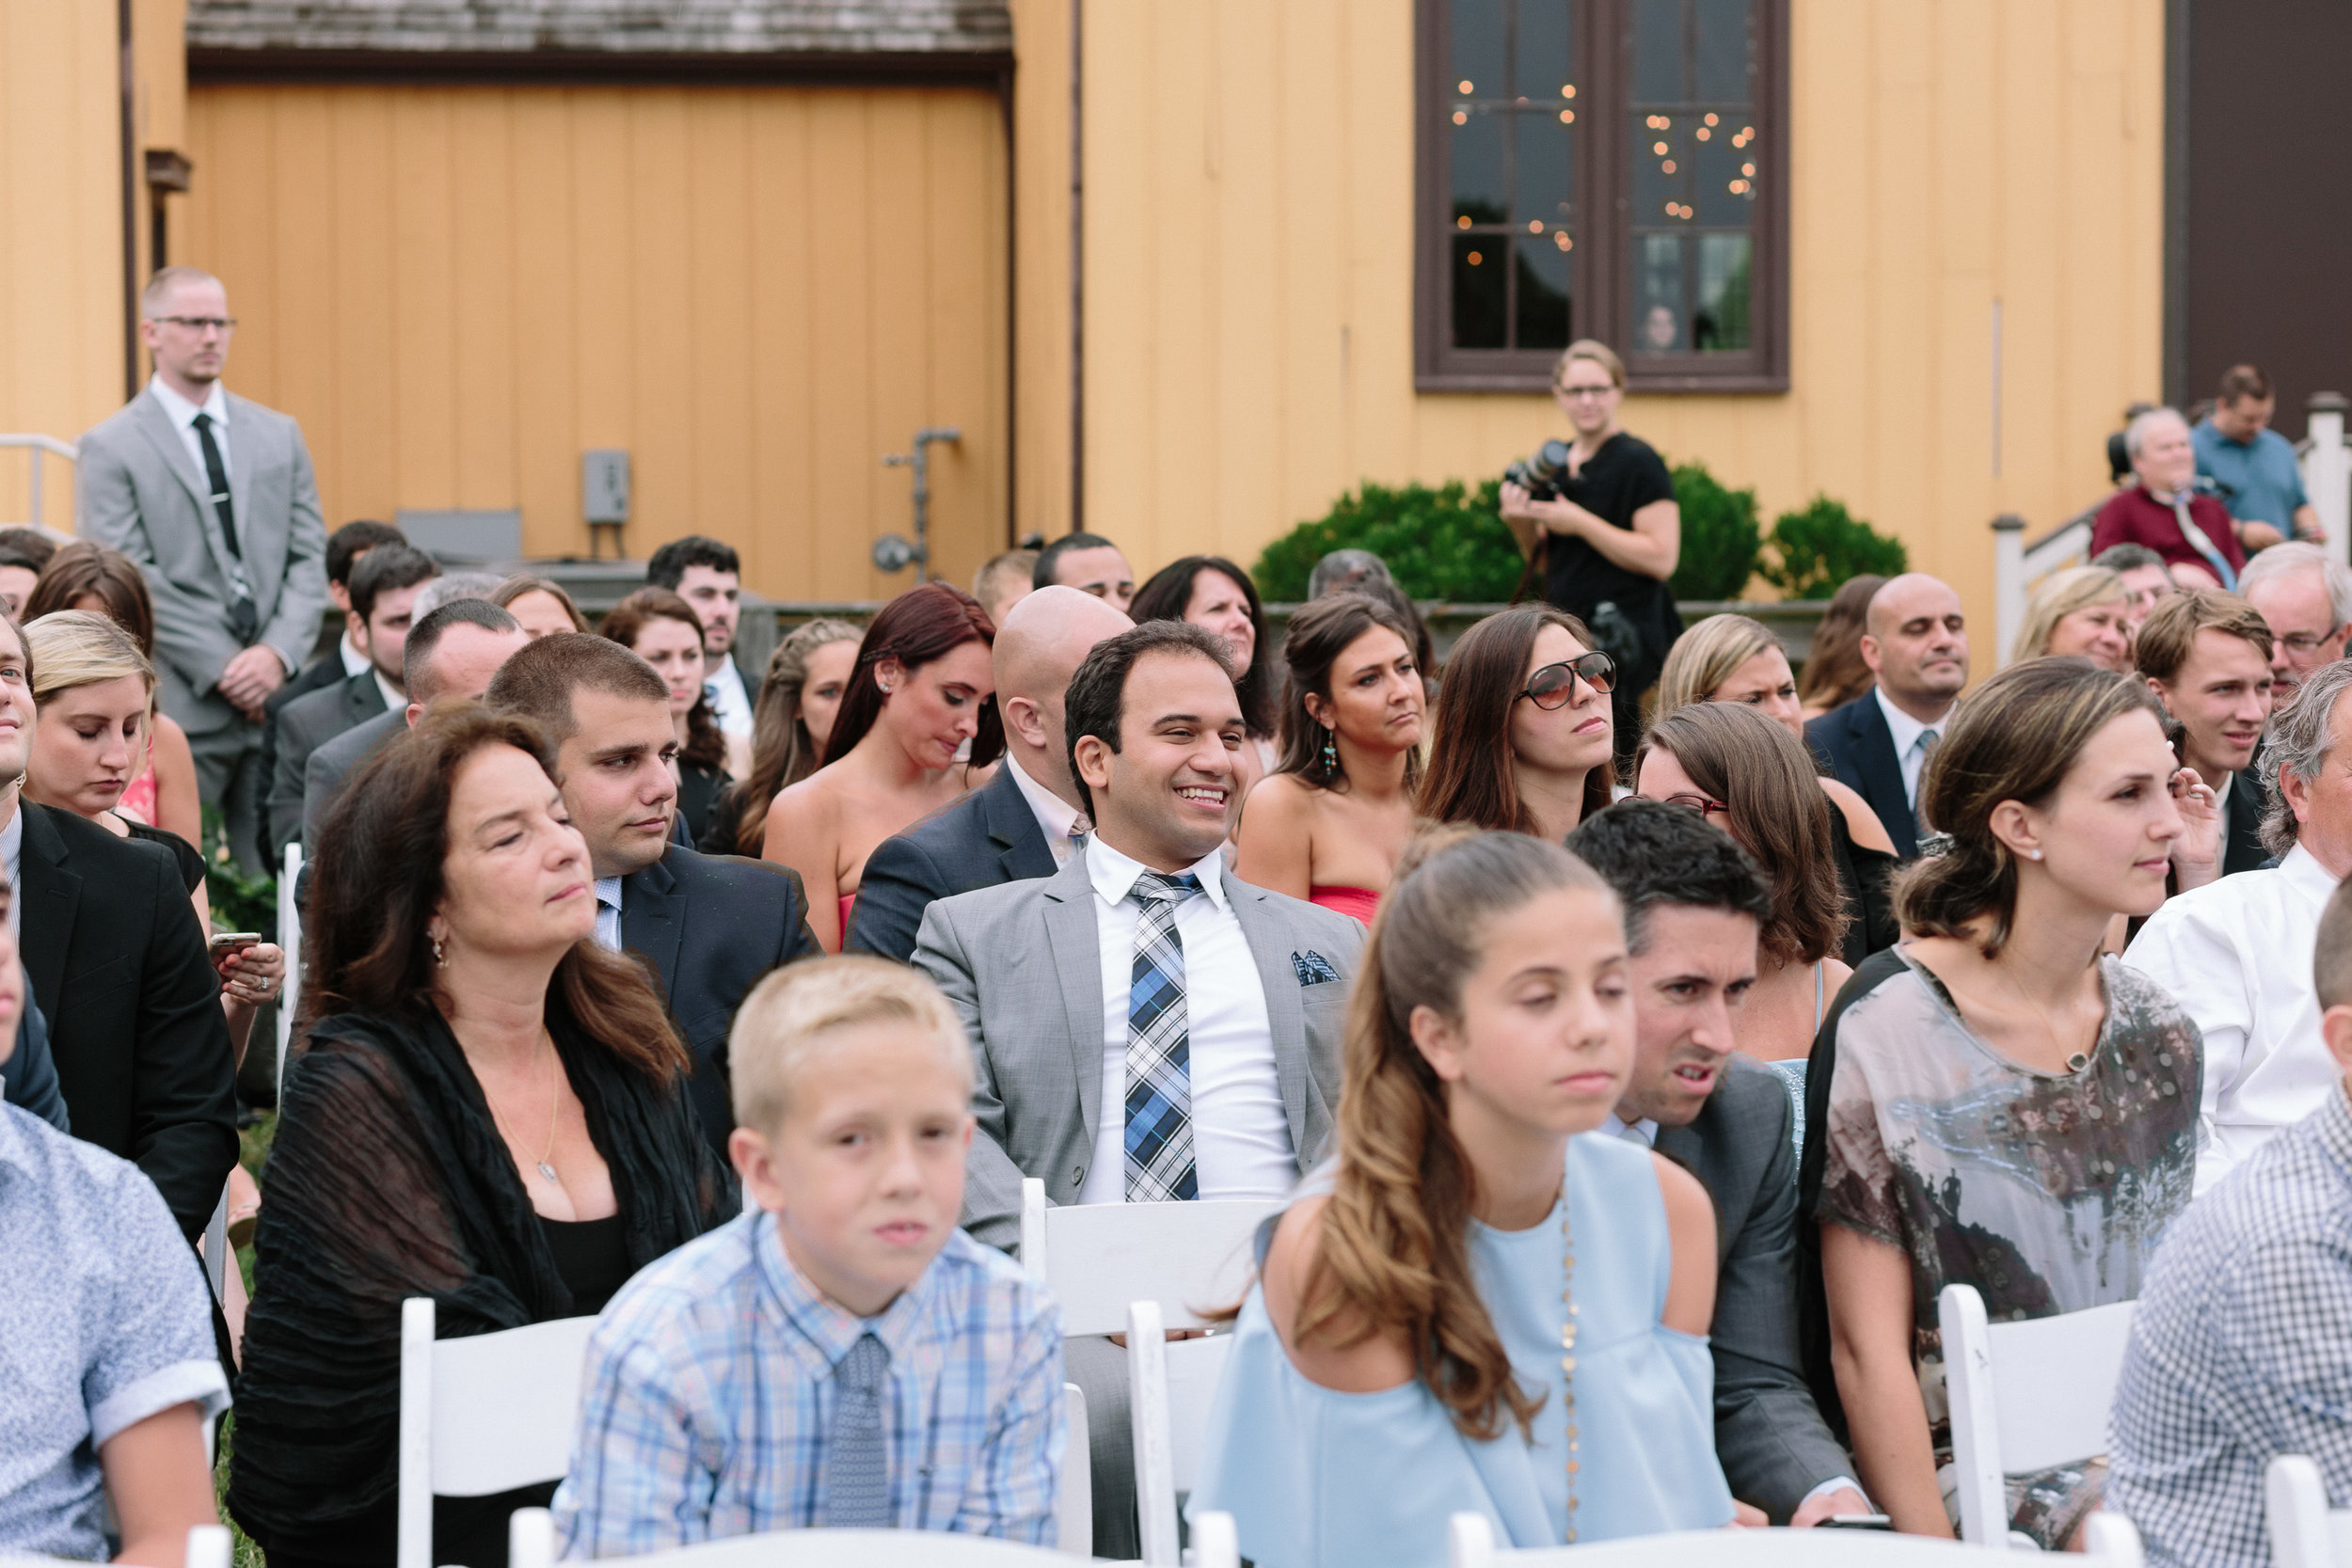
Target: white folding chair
{"type": "Point", "coordinates": [209, 1547]}
{"type": "Point", "coordinates": [480, 1415]}
{"type": "Point", "coordinates": [2305, 1531]}
{"type": "Point", "coordinates": [2023, 1396]}
{"type": "Point", "coordinates": [531, 1544]}
{"type": "Point", "coordinates": [289, 939]}
{"type": "Point", "coordinates": [2109, 1542]}
{"type": "Point", "coordinates": [1171, 1388]}
{"type": "Point", "coordinates": [216, 1248]}
{"type": "Point", "coordinates": [1099, 1260]}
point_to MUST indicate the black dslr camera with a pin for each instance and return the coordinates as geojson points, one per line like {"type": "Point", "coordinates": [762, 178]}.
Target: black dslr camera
{"type": "Point", "coordinates": [1544, 475]}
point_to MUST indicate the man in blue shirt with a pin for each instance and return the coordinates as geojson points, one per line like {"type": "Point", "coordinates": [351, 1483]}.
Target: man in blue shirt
{"type": "Point", "coordinates": [2253, 465]}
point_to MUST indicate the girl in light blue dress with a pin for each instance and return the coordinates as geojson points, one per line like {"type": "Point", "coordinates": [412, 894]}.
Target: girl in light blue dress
{"type": "Point", "coordinates": [1474, 1308]}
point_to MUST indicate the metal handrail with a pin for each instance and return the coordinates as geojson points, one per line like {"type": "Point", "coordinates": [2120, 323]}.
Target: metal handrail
{"type": "Point", "coordinates": [41, 445]}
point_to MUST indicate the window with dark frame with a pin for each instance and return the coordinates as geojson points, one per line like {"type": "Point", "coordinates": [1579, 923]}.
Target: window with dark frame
{"type": "Point", "coordinates": [1605, 168]}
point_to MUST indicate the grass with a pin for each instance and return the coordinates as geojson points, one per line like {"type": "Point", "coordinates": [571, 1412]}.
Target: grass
{"type": "Point", "coordinates": [253, 1148]}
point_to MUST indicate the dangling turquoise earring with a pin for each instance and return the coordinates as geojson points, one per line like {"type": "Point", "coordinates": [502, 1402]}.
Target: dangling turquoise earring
{"type": "Point", "coordinates": [1330, 755]}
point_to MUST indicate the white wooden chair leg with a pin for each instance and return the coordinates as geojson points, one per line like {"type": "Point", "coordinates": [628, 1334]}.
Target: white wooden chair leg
{"type": "Point", "coordinates": [1155, 1459]}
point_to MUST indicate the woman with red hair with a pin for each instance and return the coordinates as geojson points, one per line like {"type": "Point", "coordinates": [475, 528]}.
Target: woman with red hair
{"type": "Point", "coordinates": [921, 691]}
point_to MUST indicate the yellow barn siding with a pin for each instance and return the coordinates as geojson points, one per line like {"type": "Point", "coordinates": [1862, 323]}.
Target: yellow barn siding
{"type": "Point", "coordinates": [1249, 254]}
{"type": "Point", "coordinates": [758, 291]}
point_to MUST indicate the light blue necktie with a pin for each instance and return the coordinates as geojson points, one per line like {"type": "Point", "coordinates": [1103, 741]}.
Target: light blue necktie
{"type": "Point", "coordinates": [856, 1465]}
{"type": "Point", "coordinates": [1159, 1048]}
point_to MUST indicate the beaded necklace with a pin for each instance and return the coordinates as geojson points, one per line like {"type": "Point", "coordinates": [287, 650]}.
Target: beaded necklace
{"type": "Point", "coordinates": [1568, 1348]}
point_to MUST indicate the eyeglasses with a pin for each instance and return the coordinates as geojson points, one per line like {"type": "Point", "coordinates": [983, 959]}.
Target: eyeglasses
{"type": "Point", "coordinates": [223, 325]}
{"type": "Point", "coordinates": [2305, 643]}
{"type": "Point", "coordinates": [1699, 803]}
{"type": "Point", "coordinates": [1550, 687]}
{"type": "Point", "coordinates": [1577, 394]}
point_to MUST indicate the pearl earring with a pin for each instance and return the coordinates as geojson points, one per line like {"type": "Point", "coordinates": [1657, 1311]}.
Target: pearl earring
{"type": "Point", "coordinates": [2033, 855]}
{"type": "Point", "coordinates": [438, 957]}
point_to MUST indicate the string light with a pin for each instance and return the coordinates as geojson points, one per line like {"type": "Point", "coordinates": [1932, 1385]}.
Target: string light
{"type": "Point", "coordinates": [1460, 118]}
{"type": "Point", "coordinates": [1666, 167]}
{"type": "Point", "coordinates": [1463, 85]}
{"type": "Point", "coordinates": [1475, 257]}
{"type": "Point", "coordinates": [1462, 222]}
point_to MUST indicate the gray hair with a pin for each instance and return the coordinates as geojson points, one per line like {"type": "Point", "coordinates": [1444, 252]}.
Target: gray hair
{"type": "Point", "coordinates": [2136, 431]}
{"type": "Point", "coordinates": [2128, 558]}
{"type": "Point", "coordinates": [455, 585]}
{"type": "Point", "coordinates": [2301, 555]}
{"type": "Point", "coordinates": [2301, 735]}
{"type": "Point", "coordinates": [1346, 569]}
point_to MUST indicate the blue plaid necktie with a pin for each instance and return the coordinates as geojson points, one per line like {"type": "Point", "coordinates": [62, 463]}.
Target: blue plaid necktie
{"type": "Point", "coordinates": [857, 1467]}
{"type": "Point", "coordinates": [1159, 1048]}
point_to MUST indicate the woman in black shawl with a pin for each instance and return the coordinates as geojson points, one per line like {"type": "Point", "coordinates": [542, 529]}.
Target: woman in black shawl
{"type": "Point", "coordinates": [489, 1112]}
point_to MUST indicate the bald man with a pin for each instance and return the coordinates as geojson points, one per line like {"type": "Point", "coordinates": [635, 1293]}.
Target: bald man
{"type": "Point", "coordinates": [1916, 640]}
{"type": "Point", "coordinates": [1021, 823]}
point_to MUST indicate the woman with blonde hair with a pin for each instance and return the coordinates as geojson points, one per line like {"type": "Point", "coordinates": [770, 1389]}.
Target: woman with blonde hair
{"type": "Point", "coordinates": [1473, 1306]}
{"type": "Point", "coordinates": [2083, 611]}
{"type": "Point", "coordinates": [1731, 658]}
{"type": "Point", "coordinates": [1833, 671]}
{"type": "Point", "coordinates": [791, 719]}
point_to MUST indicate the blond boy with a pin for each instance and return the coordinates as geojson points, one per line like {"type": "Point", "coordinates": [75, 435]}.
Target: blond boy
{"type": "Point", "coordinates": [842, 1355]}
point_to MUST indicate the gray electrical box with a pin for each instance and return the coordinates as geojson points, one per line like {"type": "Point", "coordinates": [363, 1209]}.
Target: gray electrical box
{"type": "Point", "coordinates": [604, 486]}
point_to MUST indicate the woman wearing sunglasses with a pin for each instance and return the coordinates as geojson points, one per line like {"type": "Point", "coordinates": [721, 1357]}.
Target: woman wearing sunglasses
{"type": "Point", "coordinates": [1753, 779]}
{"type": "Point", "coordinates": [1525, 729]}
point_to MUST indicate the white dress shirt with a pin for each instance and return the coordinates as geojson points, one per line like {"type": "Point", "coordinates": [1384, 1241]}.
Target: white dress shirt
{"type": "Point", "coordinates": [730, 704]}
{"type": "Point", "coordinates": [1908, 753]}
{"type": "Point", "coordinates": [609, 912]}
{"type": "Point", "coordinates": [355, 662]}
{"type": "Point", "coordinates": [395, 700]}
{"type": "Point", "coordinates": [183, 415]}
{"type": "Point", "coordinates": [2236, 954]}
{"type": "Point", "coordinates": [1241, 1135]}
{"type": "Point", "coordinates": [1057, 819]}
{"type": "Point", "coordinates": [13, 856]}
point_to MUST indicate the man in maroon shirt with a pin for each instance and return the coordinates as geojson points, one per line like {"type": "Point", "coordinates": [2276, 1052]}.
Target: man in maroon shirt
{"type": "Point", "coordinates": [2165, 511]}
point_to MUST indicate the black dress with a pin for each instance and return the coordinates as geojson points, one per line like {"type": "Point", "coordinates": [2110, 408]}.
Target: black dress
{"type": "Point", "coordinates": [388, 1179]}
{"type": "Point", "coordinates": [1862, 876]}
{"type": "Point", "coordinates": [183, 853]}
{"type": "Point", "coordinates": [1640, 622]}
{"type": "Point", "coordinates": [699, 785]}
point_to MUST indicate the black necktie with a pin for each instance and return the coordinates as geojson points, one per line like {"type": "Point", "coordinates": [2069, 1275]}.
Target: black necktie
{"type": "Point", "coordinates": [217, 475]}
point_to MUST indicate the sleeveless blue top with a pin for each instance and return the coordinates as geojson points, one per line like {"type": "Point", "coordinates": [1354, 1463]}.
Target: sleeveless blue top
{"type": "Point", "coordinates": [1314, 1477]}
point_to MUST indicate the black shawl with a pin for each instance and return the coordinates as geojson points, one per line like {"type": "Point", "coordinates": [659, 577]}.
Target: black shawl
{"type": "Point", "coordinates": [388, 1179]}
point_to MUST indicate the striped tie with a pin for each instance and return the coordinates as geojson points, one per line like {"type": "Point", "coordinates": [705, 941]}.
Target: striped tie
{"type": "Point", "coordinates": [1159, 1050]}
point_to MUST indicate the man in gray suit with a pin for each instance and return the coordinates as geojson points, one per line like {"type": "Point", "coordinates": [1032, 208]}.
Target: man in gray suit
{"type": "Point", "coordinates": [383, 594]}
{"type": "Point", "coordinates": [214, 498]}
{"type": "Point", "coordinates": [1693, 904]}
{"type": "Point", "coordinates": [1145, 1027]}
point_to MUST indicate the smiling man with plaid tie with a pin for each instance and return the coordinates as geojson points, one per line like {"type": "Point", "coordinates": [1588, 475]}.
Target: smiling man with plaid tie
{"type": "Point", "coordinates": [1145, 1028]}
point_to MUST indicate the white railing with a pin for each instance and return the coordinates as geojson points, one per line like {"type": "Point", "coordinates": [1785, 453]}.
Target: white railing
{"type": "Point", "coordinates": [2326, 463]}
{"type": "Point", "coordinates": [40, 447]}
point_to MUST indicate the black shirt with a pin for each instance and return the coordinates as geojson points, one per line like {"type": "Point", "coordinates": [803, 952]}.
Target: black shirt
{"type": "Point", "coordinates": [1623, 476]}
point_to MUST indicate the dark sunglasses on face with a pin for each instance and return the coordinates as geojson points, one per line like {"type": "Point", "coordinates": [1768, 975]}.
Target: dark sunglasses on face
{"type": "Point", "coordinates": [1552, 687]}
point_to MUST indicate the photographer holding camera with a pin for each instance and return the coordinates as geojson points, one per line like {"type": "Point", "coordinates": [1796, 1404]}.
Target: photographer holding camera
{"type": "Point", "coordinates": [1597, 516]}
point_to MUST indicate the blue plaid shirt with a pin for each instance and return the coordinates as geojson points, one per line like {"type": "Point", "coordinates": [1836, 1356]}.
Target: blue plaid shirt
{"type": "Point", "coordinates": [709, 1390]}
{"type": "Point", "coordinates": [2241, 1349]}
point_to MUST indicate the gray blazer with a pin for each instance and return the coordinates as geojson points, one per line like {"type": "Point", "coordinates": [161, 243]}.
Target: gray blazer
{"type": "Point", "coordinates": [322, 776]}
{"type": "Point", "coordinates": [142, 493]}
{"type": "Point", "coordinates": [1021, 963]}
{"type": "Point", "coordinates": [303, 726]}
{"type": "Point", "coordinates": [1772, 1442]}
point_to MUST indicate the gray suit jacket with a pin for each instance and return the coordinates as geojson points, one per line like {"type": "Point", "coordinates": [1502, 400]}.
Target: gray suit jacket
{"type": "Point", "coordinates": [142, 493]}
{"type": "Point", "coordinates": [323, 779]}
{"type": "Point", "coordinates": [1021, 965]}
{"type": "Point", "coordinates": [1772, 1442]}
{"type": "Point", "coordinates": [303, 726]}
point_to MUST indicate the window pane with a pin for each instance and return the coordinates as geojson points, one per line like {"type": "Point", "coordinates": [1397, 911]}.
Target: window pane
{"type": "Point", "coordinates": [1477, 56]}
{"type": "Point", "coordinates": [1726, 51]}
{"type": "Point", "coordinates": [1475, 154]}
{"type": "Point", "coordinates": [1724, 170]}
{"type": "Point", "coordinates": [1720, 325]}
{"type": "Point", "coordinates": [1542, 316]}
{"type": "Point", "coordinates": [1480, 311]}
{"type": "Point", "coordinates": [1546, 172]}
{"type": "Point", "coordinates": [1542, 62]}
{"type": "Point", "coordinates": [1659, 146]}
{"type": "Point", "coordinates": [1658, 76]}
{"type": "Point", "coordinates": [1657, 324]}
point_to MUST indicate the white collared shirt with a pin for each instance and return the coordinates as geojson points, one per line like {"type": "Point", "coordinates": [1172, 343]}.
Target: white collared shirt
{"type": "Point", "coordinates": [1908, 754]}
{"type": "Point", "coordinates": [183, 415]}
{"type": "Point", "coordinates": [730, 704]}
{"type": "Point", "coordinates": [13, 857]}
{"type": "Point", "coordinates": [609, 912]}
{"type": "Point", "coordinates": [1241, 1135]}
{"type": "Point", "coordinates": [355, 662]}
{"type": "Point", "coordinates": [1057, 819]}
{"type": "Point", "coordinates": [394, 696]}
{"type": "Point", "coordinates": [2236, 954]}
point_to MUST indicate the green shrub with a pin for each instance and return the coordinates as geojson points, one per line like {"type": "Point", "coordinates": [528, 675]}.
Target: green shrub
{"type": "Point", "coordinates": [240, 903]}
{"type": "Point", "coordinates": [1448, 543]}
{"type": "Point", "coordinates": [1816, 550]}
{"type": "Point", "coordinates": [1720, 537]}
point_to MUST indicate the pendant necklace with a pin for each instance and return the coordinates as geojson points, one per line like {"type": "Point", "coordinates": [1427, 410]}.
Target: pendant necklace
{"type": "Point", "coordinates": [548, 1153]}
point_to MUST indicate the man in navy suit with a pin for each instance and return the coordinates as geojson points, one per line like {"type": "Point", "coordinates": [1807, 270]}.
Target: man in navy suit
{"type": "Point", "coordinates": [1916, 641]}
{"type": "Point", "coordinates": [1021, 824]}
{"type": "Point", "coordinates": [707, 927]}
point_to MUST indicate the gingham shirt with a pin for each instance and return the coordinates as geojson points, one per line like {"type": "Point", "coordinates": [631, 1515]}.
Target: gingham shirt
{"type": "Point", "coordinates": [2241, 1350]}
{"type": "Point", "coordinates": [709, 1390]}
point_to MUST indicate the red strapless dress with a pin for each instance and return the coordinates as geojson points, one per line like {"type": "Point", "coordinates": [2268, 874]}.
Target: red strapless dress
{"type": "Point", "coordinates": [849, 902]}
{"type": "Point", "coordinates": [1357, 903]}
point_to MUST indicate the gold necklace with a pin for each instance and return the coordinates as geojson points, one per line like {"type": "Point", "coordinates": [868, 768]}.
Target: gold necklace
{"type": "Point", "coordinates": [548, 1153]}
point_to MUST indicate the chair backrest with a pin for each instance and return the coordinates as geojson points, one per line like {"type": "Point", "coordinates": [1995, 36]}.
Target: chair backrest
{"type": "Point", "coordinates": [1097, 1259]}
{"type": "Point", "coordinates": [483, 1414]}
{"type": "Point", "coordinates": [289, 938]}
{"type": "Point", "coordinates": [2023, 1396]}
{"type": "Point", "coordinates": [216, 1247]}
{"type": "Point", "coordinates": [2109, 1542]}
{"type": "Point", "coordinates": [1170, 1388]}
{"type": "Point", "coordinates": [1074, 1506]}
{"type": "Point", "coordinates": [531, 1544]}
{"type": "Point", "coordinates": [2305, 1531]}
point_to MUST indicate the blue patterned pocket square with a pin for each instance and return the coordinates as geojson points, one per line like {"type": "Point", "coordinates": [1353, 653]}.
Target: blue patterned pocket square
{"type": "Point", "coordinates": [1313, 968]}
